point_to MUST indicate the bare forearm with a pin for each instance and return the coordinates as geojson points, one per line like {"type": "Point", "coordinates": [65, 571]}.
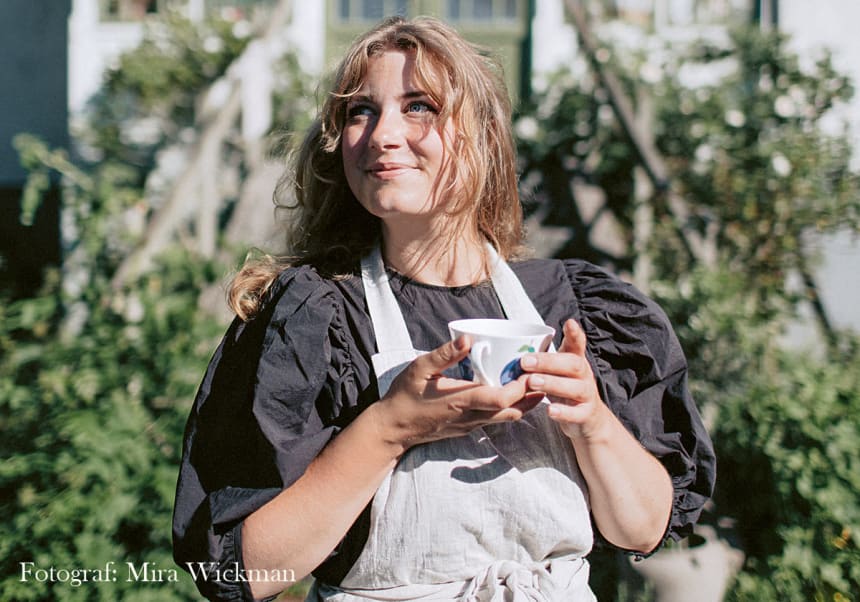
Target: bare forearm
{"type": "Point", "coordinates": [630, 491]}
{"type": "Point", "coordinates": [300, 527]}
{"type": "Point", "coordinates": [303, 524]}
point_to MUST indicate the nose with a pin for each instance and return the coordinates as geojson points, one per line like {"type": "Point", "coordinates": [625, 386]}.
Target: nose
{"type": "Point", "coordinates": [388, 131]}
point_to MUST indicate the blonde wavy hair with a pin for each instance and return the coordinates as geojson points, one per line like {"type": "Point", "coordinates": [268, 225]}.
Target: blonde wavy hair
{"type": "Point", "coordinates": [330, 229]}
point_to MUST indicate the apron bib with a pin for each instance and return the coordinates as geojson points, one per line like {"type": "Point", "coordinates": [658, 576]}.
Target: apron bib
{"type": "Point", "coordinates": [498, 515]}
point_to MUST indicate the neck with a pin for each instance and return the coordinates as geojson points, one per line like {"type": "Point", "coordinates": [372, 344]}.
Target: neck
{"type": "Point", "coordinates": [436, 259]}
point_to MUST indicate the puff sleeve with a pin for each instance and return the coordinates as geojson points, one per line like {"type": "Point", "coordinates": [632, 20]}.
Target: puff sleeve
{"type": "Point", "coordinates": [268, 404]}
{"type": "Point", "coordinates": [642, 376]}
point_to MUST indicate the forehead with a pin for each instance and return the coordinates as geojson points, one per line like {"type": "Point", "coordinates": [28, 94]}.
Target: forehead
{"type": "Point", "coordinates": [409, 70]}
{"type": "Point", "coordinates": [390, 69]}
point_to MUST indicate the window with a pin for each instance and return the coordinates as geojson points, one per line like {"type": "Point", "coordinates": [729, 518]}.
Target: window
{"type": "Point", "coordinates": [482, 10]}
{"type": "Point", "coordinates": [370, 10]}
{"type": "Point", "coordinates": [243, 5]}
{"type": "Point", "coordinates": [478, 11]}
{"type": "Point", "coordinates": [127, 10]}
{"type": "Point", "coordinates": [137, 10]}
{"type": "Point", "coordinates": [373, 10]}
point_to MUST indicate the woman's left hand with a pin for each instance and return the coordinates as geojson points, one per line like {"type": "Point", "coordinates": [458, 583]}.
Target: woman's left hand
{"type": "Point", "coordinates": [567, 379]}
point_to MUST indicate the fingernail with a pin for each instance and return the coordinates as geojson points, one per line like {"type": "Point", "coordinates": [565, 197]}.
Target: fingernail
{"type": "Point", "coordinates": [536, 381]}
{"type": "Point", "coordinates": [528, 361]}
{"type": "Point", "coordinates": [460, 343]}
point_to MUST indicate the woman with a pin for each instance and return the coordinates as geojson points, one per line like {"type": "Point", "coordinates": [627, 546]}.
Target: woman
{"type": "Point", "coordinates": [325, 439]}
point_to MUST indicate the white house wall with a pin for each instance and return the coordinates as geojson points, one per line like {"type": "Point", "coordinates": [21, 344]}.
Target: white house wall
{"type": "Point", "coordinates": [553, 41]}
{"type": "Point", "coordinates": [93, 46]}
{"type": "Point", "coordinates": [307, 34]}
{"type": "Point", "coordinates": [814, 26]}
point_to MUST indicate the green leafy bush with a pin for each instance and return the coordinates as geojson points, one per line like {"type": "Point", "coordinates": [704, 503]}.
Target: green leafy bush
{"type": "Point", "coordinates": [790, 472]}
{"type": "Point", "coordinates": [788, 446]}
{"type": "Point", "coordinates": [92, 425]}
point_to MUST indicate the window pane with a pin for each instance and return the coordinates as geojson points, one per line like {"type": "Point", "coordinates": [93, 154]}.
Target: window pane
{"type": "Point", "coordinates": [454, 9]}
{"type": "Point", "coordinates": [482, 10]}
{"type": "Point", "coordinates": [511, 9]}
{"type": "Point", "coordinates": [373, 10]}
{"type": "Point", "coordinates": [110, 8]}
{"type": "Point", "coordinates": [127, 10]}
{"type": "Point", "coordinates": [400, 8]}
{"type": "Point", "coordinates": [246, 6]}
{"type": "Point", "coordinates": [344, 10]}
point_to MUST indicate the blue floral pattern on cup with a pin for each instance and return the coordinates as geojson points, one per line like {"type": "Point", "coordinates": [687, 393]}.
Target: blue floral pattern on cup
{"type": "Point", "coordinates": [465, 366]}
{"type": "Point", "coordinates": [511, 372]}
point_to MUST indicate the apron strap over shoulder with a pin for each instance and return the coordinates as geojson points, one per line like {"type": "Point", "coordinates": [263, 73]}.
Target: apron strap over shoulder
{"type": "Point", "coordinates": [513, 297]}
{"type": "Point", "coordinates": [389, 327]}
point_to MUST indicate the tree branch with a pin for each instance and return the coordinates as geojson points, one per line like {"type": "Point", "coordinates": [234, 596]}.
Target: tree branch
{"type": "Point", "coordinates": [814, 298]}
{"type": "Point", "coordinates": [184, 197]}
{"type": "Point", "coordinates": [649, 157]}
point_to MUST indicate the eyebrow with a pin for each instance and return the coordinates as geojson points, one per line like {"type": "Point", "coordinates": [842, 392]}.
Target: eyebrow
{"type": "Point", "coordinates": [405, 96]}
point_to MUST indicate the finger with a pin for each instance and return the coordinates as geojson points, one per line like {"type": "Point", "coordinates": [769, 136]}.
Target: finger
{"type": "Point", "coordinates": [511, 414]}
{"type": "Point", "coordinates": [563, 364]}
{"type": "Point", "coordinates": [447, 385]}
{"type": "Point", "coordinates": [560, 387]}
{"type": "Point", "coordinates": [573, 414]}
{"type": "Point", "coordinates": [497, 398]}
{"type": "Point", "coordinates": [472, 419]}
{"type": "Point", "coordinates": [474, 396]}
{"type": "Point", "coordinates": [444, 356]}
{"type": "Point", "coordinates": [574, 338]}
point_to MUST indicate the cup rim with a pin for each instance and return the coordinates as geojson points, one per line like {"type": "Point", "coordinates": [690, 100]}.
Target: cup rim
{"type": "Point", "coordinates": [488, 328]}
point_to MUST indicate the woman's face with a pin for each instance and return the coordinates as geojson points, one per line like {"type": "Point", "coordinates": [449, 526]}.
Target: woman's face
{"type": "Point", "coordinates": [393, 153]}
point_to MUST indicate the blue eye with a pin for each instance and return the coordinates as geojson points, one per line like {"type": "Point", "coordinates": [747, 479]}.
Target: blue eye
{"type": "Point", "coordinates": [419, 106]}
{"type": "Point", "coordinates": [358, 111]}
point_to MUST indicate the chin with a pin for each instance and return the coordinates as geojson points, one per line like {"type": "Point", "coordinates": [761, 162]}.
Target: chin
{"type": "Point", "coordinates": [392, 208]}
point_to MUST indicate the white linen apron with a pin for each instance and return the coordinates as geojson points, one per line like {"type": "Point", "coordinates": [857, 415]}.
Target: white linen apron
{"type": "Point", "coordinates": [498, 515]}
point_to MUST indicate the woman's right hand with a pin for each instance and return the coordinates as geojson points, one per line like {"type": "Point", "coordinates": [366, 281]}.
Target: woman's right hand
{"type": "Point", "coordinates": [423, 405]}
{"type": "Point", "coordinates": [302, 525]}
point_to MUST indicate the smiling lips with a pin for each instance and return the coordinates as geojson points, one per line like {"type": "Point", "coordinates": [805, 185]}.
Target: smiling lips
{"type": "Point", "coordinates": [387, 171]}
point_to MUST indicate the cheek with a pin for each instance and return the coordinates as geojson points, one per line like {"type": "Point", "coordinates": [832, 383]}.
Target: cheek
{"type": "Point", "coordinates": [347, 153]}
{"type": "Point", "coordinates": [350, 154]}
{"type": "Point", "coordinates": [351, 146]}
{"type": "Point", "coordinates": [442, 142]}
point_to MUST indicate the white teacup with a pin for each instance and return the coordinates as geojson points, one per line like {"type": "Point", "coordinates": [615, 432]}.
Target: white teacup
{"type": "Point", "coordinates": [497, 346]}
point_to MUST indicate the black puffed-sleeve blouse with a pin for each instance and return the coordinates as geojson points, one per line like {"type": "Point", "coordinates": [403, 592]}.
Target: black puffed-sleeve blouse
{"type": "Point", "coordinates": [280, 386]}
